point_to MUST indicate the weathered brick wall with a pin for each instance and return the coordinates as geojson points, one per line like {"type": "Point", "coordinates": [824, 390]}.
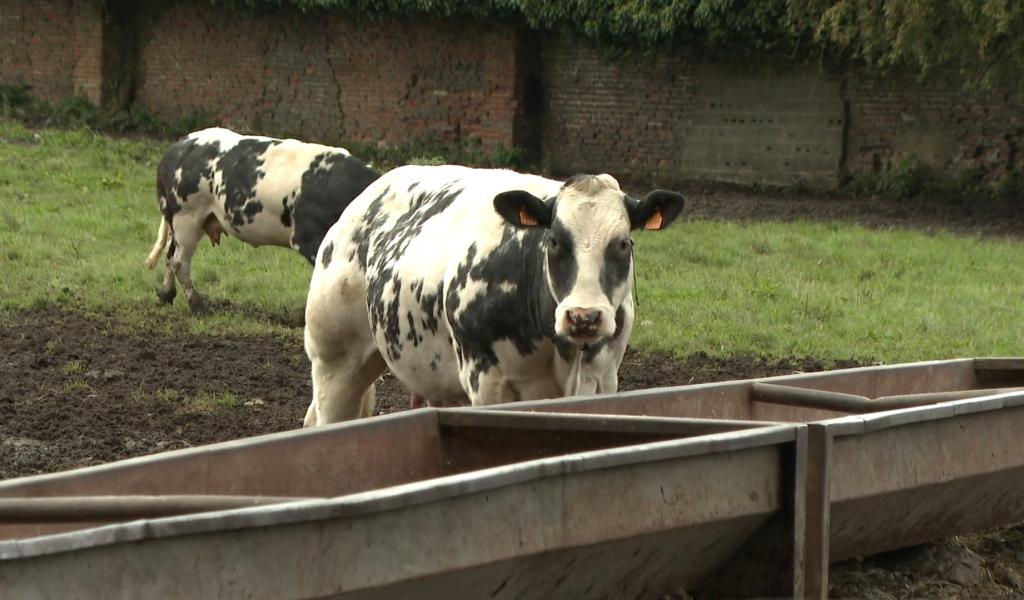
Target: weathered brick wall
{"type": "Point", "coordinates": [893, 118]}
{"type": "Point", "coordinates": [331, 78]}
{"type": "Point", "coordinates": [676, 118]}
{"type": "Point", "coordinates": [623, 119]}
{"type": "Point", "coordinates": [54, 46]}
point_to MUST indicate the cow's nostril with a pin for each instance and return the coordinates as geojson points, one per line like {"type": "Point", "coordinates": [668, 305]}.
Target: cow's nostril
{"type": "Point", "coordinates": [579, 317]}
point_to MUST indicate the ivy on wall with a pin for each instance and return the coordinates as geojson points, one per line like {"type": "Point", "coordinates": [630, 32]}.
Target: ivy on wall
{"type": "Point", "coordinates": [619, 26]}
{"type": "Point", "coordinates": [982, 40]}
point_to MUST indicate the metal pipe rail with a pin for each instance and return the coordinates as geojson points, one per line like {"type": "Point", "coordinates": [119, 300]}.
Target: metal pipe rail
{"type": "Point", "coordinates": [79, 509]}
{"type": "Point", "coordinates": [855, 403]}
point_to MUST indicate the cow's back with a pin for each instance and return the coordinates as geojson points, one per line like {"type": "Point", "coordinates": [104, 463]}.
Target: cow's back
{"type": "Point", "coordinates": [262, 190]}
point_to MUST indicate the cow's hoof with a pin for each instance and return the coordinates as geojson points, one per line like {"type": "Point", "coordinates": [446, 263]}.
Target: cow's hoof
{"type": "Point", "coordinates": [197, 305]}
{"type": "Point", "coordinates": [166, 296]}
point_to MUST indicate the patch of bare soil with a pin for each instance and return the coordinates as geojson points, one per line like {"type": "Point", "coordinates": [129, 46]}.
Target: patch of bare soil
{"type": "Point", "coordinates": [78, 390]}
{"type": "Point", "coordinates": [975, 566]}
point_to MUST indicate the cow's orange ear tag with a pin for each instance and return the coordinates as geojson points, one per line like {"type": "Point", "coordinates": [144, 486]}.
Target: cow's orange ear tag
{"type": "Point", "coordinates": [526, 218]}
{"type": "Point", "coordinates": [654, 221]}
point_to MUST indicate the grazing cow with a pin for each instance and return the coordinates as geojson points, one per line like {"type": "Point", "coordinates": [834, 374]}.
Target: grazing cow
{"type": "Point", "coordinates": [262, 190]}
{"type": "Point", "coordinates": [471, 284]}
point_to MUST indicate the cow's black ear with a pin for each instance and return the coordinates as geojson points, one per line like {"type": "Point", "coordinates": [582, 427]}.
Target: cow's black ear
{"type": "Point", "coordinates": [656, 211]}
{"type": "Point", "coordinates": [523, 209]}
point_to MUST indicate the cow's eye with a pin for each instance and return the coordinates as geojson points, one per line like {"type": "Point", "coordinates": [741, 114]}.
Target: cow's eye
{"type": "Point", "coordinates": [552, 243]}
{"type": "Point", "coordinates": [625, 244]}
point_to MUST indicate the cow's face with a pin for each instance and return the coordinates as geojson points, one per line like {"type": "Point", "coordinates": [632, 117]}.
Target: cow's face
{"type": "Point", "coordinates": [587, 248]}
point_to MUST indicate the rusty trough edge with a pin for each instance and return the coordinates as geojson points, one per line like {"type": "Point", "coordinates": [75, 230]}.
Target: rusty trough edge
{"type": "Point", "coordinates": [838, 401]}
{"type": "Point", "coordinates": [857, 424]}
{"type": "Point", "coordinates": [78, 509]}
{"type": "Point", "coordinates": [382, 421]}
{"type": "Point", "coordinates": [658, 392]}
{"type": "Point", "coordinates": [999, 364]}
{"type": "Point", "coordinates": [403, 495]}
{"type": "Point", "coordinates": [473, 417]}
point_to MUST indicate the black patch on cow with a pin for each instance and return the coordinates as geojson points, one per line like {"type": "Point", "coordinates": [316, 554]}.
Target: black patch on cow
{"type": "Point", "coordinates": [169, 205]}
{"type": "Point", "coordinates": [241, 169]}
{"type": "Point", "coordinates": [361, 236]}
{"type": "Point", "coordinates": [331, 182]}
{"type": "Point", "coordinates": [171, 248]}
{"type": "Point", "coordinates": [562, 265]}
{"type": "Point", "coordinates": [195, 162]}
{"type": "Point", "coordinates": [388, 318]}
{"type": "Point", "coordinates": [564, 347]}
{"type": "Point", "coordinates": [286, 213]}
{"type": "Point", "coordinates": [430, 304]}
{"type": "Point", "coordinates": [389, 244]}
{"type": "Point", "coordinates": [325, 259]}
{"type": "Point", "coordinates": [618, 255]}
{"type": "Point", "coordinates": [413, 336]}
{"type": "Point", "coordinates": [413, 186]}
{"type": "Point", "coordinates": [523, 316]}
{"type": "Point", "coordinates": [247, 214]}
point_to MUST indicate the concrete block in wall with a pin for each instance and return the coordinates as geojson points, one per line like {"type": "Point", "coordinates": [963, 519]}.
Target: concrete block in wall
{"type": "Point", "coordinates": [760, 126]}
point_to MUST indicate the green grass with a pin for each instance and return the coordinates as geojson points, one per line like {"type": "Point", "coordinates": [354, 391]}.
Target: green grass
{"type": "Point", "coordinates": [208, 401]}
{"type": "Point", "coordinates": [78, 217]}
{"type": "Point", "coordinates": [828, 290]}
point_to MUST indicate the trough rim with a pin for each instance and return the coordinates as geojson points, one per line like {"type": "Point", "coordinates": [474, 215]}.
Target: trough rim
{"type": "Point", "coordinates": [539, 405]}
{"type": "Point", "coordinates": [392, 497]}
{"type": "Point", "coordinates": [879, 421]}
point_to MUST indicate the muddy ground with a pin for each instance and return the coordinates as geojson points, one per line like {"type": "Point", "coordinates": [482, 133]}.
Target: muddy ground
{"type": "Point", "coordinates": [77, 390]}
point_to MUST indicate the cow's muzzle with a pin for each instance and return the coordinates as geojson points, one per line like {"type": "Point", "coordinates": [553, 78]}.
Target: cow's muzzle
{"type": "Point", "coordinates": [583, 324]}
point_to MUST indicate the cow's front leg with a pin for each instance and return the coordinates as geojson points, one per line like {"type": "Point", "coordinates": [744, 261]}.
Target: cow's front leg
{"type": "Point", "coordinates": [492, 388]}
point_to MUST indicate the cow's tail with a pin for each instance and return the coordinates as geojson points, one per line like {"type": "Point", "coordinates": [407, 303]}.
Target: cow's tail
{"type": "Point", "coordinates": [161, 243]}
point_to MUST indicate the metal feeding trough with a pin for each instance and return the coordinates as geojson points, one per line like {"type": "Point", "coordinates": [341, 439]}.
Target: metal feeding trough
{"type": "Point", "coordinates": [932, 449]}
{"type": "Point", "coordinates": [735, 488]}
{"type": "Point", "coordinates": [428, 503]}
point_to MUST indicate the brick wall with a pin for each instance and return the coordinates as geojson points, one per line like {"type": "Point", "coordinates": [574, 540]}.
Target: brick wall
{"type": "Point", "coordinates": [892, 118]}
{"type": "Point", "coordinates": [623, 119]}
{"type": "Point", "coordinates": [54, 46]}
{"type": "Point", "coordinates": [333, 77]}
{"type": "Point", "coordinates": [676, 117]}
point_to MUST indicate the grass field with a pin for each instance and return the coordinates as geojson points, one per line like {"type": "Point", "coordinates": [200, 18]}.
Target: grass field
{"type": "Point", "coordinates": [78, 216]}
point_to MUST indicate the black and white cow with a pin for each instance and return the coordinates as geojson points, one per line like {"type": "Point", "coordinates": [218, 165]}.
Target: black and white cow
{"type": "Point", "coordinates": [470, 284]}
{"type": "Point", "coordinates": [262, 190]}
